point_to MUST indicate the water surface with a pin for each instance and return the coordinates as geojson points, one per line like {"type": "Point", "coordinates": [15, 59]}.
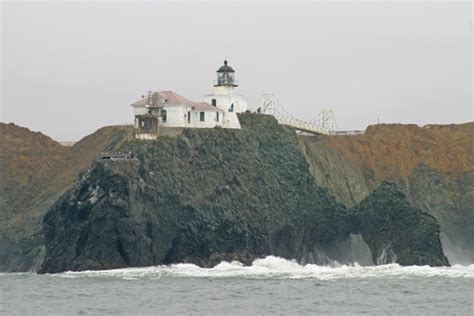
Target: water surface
{"type": "Point", "coordinates": [270, 286]}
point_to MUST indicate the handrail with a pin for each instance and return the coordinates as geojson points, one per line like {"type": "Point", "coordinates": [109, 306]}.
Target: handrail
{"type": "Point", "coordinates": [226, 82]}
{"type": "Point", "coordinates": [342, 133]}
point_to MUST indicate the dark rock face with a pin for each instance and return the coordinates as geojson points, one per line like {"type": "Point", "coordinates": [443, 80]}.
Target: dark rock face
{"type": "Point", "coordinates": [213, 195]}
{"type": "Point", "coordinates": [332, 170]}
{"type": "Point", "coordinates": [396, 231]}
{"type": "Point", "coordinates": [451, 201]}
{"type": "Point", "coordinates": [433, 165]}
{"type": "Point", "coordinates": [36, 171]}
{"type": "Point", "coordinates": [206, 196]}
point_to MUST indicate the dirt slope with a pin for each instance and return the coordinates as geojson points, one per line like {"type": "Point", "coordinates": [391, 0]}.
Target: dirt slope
{"type": "Point", "coordinates": [35, 171]}
{"type": "Point", "coordinates": [395, 150]}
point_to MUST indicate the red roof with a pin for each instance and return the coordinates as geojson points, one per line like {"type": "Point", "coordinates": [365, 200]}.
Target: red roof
{"type": "Point", "coordinates": [204, 106]}
{"type": "Point", "coordinates": [172, 98]}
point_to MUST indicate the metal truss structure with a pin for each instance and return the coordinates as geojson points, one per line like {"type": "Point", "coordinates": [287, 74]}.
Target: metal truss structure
{"type": "Point", "coordinates": [323, 123]}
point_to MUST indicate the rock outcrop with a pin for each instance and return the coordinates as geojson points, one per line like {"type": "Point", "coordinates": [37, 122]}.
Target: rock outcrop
{"type": "Point", "coordinates": [35, 172]}
{"type": "Point", "coordinates": [210, 195]}
{"type": "Point", "coordinates": [396, 231]}
{"type": "Point", "coordinates": [27, 162]}
{"type": "Point", "coordinates": [200, 197]}
{"type": "Point", "coordinates": [434, 165]}
{"type": "Point", "coordinates": [215, 194]}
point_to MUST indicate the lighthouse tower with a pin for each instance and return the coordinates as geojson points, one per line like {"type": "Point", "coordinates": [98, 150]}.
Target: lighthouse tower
{"type": "Point", "coordinates": [224, 96]}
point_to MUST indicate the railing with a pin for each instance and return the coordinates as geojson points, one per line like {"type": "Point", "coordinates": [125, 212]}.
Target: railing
{"type": "Point", "coordinates": [323, 123]}
{"type": "Point", "coordinates": [308, 126]}
{"type": "Point", "coordinates": [301, 125]}
{"type": "Point", "coordinates": [226, 82]}
{"type": "Point", "coordinates": [342, 133]}
{"type": "Point", "coordinates": [116, 156]}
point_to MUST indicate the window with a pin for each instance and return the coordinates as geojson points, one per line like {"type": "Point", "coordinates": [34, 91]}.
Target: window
{"type": "Point", "coordinates": [163, 116]}
{"type": "Point", "coordinates": [217, 116]}
{"type": "Point", "coordinates": [201, 116]}
{"type": "Point", "coordinates": [189, 116]}
{"type": "Point", "coordinates": [214, 102]}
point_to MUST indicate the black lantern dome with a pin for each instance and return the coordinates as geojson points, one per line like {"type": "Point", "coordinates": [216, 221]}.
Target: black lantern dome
{"type": "Point", "coordinates": [226, 76]}
{"type": "Point", "coordinates": [225, 68]}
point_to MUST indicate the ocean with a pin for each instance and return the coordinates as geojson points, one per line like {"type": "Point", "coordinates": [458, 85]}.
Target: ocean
{"type": "Point", "coordinates": [270, 286]}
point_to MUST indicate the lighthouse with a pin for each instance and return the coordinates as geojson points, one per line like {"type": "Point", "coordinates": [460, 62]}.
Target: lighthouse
{"type": "Point", "coordinates": [163, 111]}
{"type": "Point", "coordinates": [224, 96]}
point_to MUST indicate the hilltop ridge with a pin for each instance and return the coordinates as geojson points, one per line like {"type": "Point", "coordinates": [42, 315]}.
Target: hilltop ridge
{"type": "Point", "coordinates": [392, 150]}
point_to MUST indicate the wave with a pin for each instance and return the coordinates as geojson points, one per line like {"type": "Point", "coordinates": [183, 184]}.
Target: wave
{"type": "Point", "coordinates": [279, 268]}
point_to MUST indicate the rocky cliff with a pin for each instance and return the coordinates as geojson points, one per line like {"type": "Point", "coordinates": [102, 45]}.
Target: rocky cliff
{"type": "Point", "coordinates": [433, 164]}
{"type": "Point", "coordinates": [35, 172]}
{"type": "Point", "coordinates": [215, 194]}
{"type": "Point", "coordinates": [389, 223]}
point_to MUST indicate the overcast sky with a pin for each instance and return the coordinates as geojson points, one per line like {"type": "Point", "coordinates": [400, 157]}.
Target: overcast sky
{"type": "Point", "coordinates": [70, 68]}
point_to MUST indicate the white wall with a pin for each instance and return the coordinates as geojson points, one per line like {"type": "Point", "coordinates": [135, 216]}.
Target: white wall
{"type": "Point", "coordinates": [176, 116]}
{"type": "Point", "coordinates": [224, 101]}
{"type": "Point", "coordinates": [223, 90]}
{"type": "Point", "coordinates": [145, 136]}
{"type": "Point", "coordinates": [231, 120]}
{"type": "Point", "coordinates": [139, 110]}
{"type": "Point", "coordinates": [209, 119]}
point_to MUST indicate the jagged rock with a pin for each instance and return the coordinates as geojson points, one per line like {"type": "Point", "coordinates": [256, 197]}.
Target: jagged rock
{"type": "Point", "coordinates": [212, 195]}
{"type": "Point", "coordinates": [201, 197]}
{"type": "Point", "coordinates": [434, 165]}
{"type": "Point", "coordinates": [35, 172]}
{"type": "Point", "coordinates": [396, 231]}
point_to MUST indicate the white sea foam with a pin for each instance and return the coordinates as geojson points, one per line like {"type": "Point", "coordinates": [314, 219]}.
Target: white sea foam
{"type": "Point", "coordinates": [275, 267]}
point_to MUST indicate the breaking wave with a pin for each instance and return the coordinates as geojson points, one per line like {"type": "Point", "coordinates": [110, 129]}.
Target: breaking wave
{"type": "Point", "coordinates": [278, 268]}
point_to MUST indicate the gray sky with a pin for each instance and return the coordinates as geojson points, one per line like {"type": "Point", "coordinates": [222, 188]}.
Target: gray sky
{"type": "Point", "coordinates": [70, 68]}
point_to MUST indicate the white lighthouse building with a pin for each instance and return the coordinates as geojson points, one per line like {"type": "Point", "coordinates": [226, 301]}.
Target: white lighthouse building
{"type": "Point", "coordinates": [223, 95]}
{"type": "Point", "coordinates": [160, 111]}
